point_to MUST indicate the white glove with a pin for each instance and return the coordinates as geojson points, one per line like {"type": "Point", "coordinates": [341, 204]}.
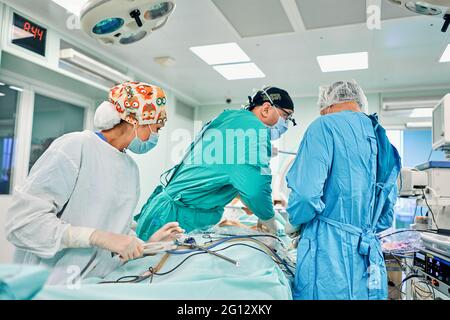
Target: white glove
{"type": "Point", "coordinates": [170, 231]}
{"type": "Point", "coordinates": [289, 228]}
{"type": "Point", "coordinates": [76, 237]}
{"type": "Point", "coordinates": [128, 247]}
{"type": "Point", "coordinates": [152, 248]}
{"type": "Point", "coordinates": [274, 151]}
{"type": "Point", "coordinates": [273, 225]}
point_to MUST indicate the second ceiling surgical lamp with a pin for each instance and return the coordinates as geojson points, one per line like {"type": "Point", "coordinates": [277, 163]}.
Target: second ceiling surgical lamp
{"type": "Point", "coordinates": [124, 22]}
{"type": "Point", "coordinates": [437, 8]}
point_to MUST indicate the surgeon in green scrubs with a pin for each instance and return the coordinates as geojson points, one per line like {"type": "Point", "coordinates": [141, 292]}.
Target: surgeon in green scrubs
{"type": "Point", "coordinates": [230, 157]}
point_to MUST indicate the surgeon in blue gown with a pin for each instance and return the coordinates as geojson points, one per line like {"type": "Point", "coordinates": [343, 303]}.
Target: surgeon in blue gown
{"type": "Point", "coordinates": [343, 189]}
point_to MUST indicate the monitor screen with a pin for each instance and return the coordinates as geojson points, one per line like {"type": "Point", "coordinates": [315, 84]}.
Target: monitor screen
{"type": "Point", "coordinates": [438, 123]}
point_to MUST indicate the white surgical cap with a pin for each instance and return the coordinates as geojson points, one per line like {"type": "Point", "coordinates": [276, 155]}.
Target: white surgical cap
{"type": "Point", "coordinates": [342, 91]}
{"type": "Point", "coordinates": [106, 116]}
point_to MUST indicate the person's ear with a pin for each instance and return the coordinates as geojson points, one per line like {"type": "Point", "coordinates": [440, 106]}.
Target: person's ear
{"type": "Point", "coordinates": [265, 109]}
{"type": "Point", "coordinates": [155, 127]}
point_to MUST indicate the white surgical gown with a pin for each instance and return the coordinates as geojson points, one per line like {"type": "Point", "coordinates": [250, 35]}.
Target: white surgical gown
{"type": "Point", "coordinates": [81, 181]}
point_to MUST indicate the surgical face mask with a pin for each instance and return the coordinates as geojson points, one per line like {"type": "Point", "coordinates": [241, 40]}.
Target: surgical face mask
{"type": "Point", "coordinates": [279, 128]}
{"type": "Point", "coordinates": [140, 147]}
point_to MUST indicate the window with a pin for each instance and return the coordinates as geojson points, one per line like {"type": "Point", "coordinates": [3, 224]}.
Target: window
{"type": "Point", "coordinates": [417, 148]}
{"type": "Point", "coordinates": [8, 110]}
{"type": "Point", "coordinates": [396, 138]}
{"type": "Point", "coordinates": [414, 146]}
{"type": "Point", "coordinates": [52, 119]}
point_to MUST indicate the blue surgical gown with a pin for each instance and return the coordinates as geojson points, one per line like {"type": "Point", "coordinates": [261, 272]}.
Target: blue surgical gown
{"type": "Point", "coordinates": [336, 198]}
{"type": "Point", "coordinates": [230, 158]}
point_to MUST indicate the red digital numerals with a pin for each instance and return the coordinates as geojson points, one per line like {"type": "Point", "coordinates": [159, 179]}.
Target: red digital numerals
{"type": "Point", "coordinates": [38, 33]}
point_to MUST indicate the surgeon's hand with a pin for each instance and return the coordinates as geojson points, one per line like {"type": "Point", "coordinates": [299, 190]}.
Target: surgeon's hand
{"type": "Point", "coordinates": [289, 228]}
{"type": "Point", "coordinates": [127, 247]}
{"type": "Point", "coordinates": [274, 151]}
{"type": "Point", "coordinates": [170, 231]}
{"type": "Point", "coordinates": [272, 225]}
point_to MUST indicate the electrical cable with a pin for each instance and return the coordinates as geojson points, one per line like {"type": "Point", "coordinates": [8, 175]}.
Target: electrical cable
{"type": "Point", "coordinates": [428, 294]}
{"type": "Point", "coordinates": [431, 288]}
{"type": "Point", "coordinates": [151, 272]}
{"type": "Point", "coordinates": [405, 255]}
{"type": "Point", "coordinates": [244, 237]}
{"type": "Point", "coordinates": [408, 230]}
{"type": "Point", "coordinates": [429, 208]}
{"type": "Point", "coordinates": [415, 213]}
{"type": "Point", "coordinates": [273, 252]}
{"type": "Point", "coordinates": [400, 262]}
{"type": "Point", "coordinates": [393, 286]}
{"type": "Point", "coordinates": [431, 153]}
{"type": "Point", "coordinates": [254, 236]}
{"type": "Point", "coordinates": [232, 245]}
{"type": "Point", "coordinates": [410, 276]}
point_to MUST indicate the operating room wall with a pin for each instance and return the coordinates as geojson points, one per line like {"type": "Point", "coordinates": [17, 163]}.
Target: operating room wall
{"type": "Point", "coordinates": [32, 72]}
{"type": "Point", "coordinates": [306, 111]}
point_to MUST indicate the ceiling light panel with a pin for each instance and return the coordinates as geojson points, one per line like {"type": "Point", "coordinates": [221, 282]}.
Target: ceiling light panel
{"type": "Point", "coordinates": [240, 71]}
{"type": "Point", "coordinates": [73, 6]}
{"type": "Point", "coordinates": [344, 62]}
{"type": "Point", "coordinates": [221, 53]}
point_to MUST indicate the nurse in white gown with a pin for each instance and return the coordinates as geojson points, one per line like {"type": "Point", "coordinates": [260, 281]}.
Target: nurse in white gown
{"type": "Point", "coordinates": [76, 207]}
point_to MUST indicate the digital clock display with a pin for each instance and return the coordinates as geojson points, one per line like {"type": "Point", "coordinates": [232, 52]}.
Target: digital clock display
{"type": "Point", "coordinates": [29, 35]}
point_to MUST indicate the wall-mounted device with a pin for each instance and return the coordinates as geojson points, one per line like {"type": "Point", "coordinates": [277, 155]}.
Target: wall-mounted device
{"type": "Point", "coordinates": [29, 35]}
{"type": "Point", "coordinates": [124, 21]}
{"type": "Point", "coordinates": [80, 60]}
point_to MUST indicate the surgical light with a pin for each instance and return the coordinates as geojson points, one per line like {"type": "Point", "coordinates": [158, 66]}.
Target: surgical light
{"type": "Point", "coordinates": [159, 10]}
{"type": "Point", "coordinates": [124, 22]}
{"type": "Point", "coordinates": [108, 25]}
{"type": "Point", "coordinates": [435, 8]}
{"type": "Point", "coordinates": [134, 37]}
{"type": "Point", "coordinates": [422, 8]}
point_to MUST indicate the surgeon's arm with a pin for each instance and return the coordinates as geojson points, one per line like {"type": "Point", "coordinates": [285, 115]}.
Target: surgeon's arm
{"type": "Point", "coordinates": [308, 174]}
{"type": "Point", "coordinates": [387, 215]}
{"type": "Point", "coordinates": [254, 187]}
{"type": "Point", "coordinates": [31, 222]}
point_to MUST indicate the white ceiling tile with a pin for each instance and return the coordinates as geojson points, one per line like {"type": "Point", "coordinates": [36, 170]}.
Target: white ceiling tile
{"type": "Point", "coordinates": [255, 17]}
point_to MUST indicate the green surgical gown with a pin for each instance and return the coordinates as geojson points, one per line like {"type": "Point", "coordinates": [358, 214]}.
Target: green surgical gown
{"type": "Point", "coordinates": [230, 157]}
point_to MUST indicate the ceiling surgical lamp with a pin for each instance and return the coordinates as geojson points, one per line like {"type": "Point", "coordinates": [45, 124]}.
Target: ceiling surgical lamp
{"type": "Point", "coordinates": [124, 22]}
{"type": "Point", "coordinates": [436, 8]}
